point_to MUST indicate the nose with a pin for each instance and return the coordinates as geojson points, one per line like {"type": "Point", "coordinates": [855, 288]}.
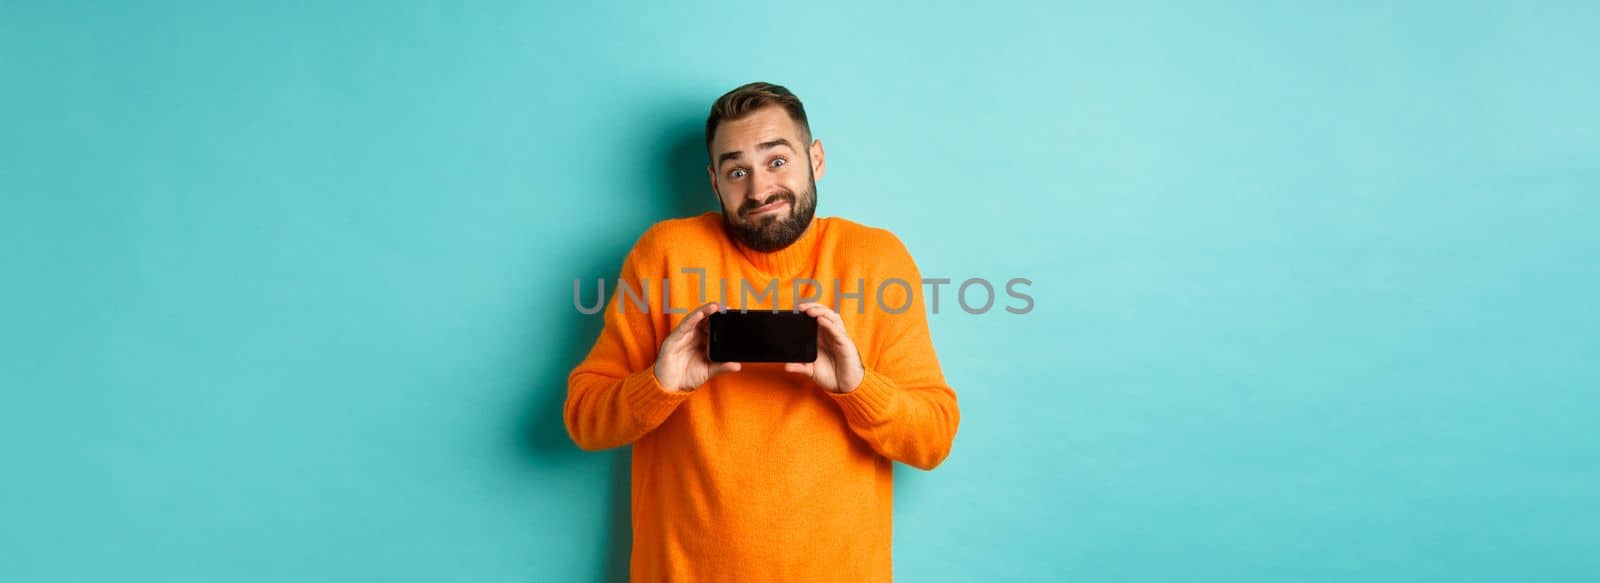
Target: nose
{"type": "Point", "coordinates": [760, 186]}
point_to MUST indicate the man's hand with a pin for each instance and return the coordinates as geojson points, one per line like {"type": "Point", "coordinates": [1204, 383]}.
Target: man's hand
{"type": "Point", "coordinates": [838, 366]}
{"type": "Point", "coordinates": [682, 364]}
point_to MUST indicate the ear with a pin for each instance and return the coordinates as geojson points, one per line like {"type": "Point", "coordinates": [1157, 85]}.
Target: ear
{"type": "Point", "coordinates": [711, 173]}
{"type": "Point", "coordinates": [819, 159]}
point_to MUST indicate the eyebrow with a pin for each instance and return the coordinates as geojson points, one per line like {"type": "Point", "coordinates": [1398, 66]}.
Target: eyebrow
{"type": "Point", "coordinates": [767, 145]}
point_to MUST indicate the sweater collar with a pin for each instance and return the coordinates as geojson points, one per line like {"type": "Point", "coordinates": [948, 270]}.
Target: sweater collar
{"type": "Point", "coordinates": [788, 261]}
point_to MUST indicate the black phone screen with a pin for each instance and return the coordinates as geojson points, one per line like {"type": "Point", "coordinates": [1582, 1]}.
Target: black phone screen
{"type": "Point", "coordinates": [763, 336]}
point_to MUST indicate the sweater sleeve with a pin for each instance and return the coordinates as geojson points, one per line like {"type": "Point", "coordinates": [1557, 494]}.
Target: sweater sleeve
{"type": "Point", "coordinates": [903, 407]}
{"type": "Point", "coordinates": [613, 396]}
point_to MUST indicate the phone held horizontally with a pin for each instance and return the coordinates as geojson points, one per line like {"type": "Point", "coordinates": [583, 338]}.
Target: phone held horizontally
{"type": "Point", "coordinates": [762, 336]}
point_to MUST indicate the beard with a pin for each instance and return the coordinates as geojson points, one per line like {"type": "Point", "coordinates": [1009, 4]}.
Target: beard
{"type": "Point", "coordinates": [771, 233]}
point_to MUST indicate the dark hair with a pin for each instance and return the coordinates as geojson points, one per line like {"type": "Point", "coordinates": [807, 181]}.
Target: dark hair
{"type": "Point", "coordinates": [749, 97]}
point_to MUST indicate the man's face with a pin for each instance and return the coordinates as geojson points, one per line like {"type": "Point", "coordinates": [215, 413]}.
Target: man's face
{"type": "Point", "coordinates": [765, 172]}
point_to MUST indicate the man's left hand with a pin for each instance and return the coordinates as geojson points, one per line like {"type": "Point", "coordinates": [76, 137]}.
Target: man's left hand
{"type": "Point", "coordinates": [838, 367]}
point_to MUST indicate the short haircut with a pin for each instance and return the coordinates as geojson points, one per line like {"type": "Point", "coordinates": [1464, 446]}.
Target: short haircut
{"type": "Point", "coordinates": [749, 97]}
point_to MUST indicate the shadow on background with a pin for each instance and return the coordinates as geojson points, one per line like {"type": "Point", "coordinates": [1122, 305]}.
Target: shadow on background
{"type": "Point", "coordinates": [674, 186]}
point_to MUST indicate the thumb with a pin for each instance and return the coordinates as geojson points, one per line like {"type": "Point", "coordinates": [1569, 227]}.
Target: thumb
{"type": "Point", "coordinates": [798, 367]}
{"type": "Point", "coordinates": [723, 367]}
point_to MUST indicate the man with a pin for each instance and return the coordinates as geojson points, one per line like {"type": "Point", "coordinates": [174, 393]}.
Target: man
{"type": "Point", "coordinates": [764, 472]}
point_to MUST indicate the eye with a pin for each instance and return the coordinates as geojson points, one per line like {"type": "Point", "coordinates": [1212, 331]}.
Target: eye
{"type": "Point", "coordinates": [736, 173]}
{"type": "Point", "coordinates": [779, 162]}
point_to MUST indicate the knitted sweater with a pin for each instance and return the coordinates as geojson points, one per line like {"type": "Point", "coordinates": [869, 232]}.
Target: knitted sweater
{"type": "Point", "coordinates": [761, 475]}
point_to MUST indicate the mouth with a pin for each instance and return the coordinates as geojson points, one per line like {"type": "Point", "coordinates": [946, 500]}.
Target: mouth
{"type": "Point", "coordinates": [770, 207]}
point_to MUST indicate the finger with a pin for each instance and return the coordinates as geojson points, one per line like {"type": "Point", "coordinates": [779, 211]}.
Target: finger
{"type": "Point", "coordinates": [833, 327]}
{"type": "Point", "coordinates": [835, 317]}
{"type": "Point", "coordinates": [699, 340]}
{"type": "Point", "coordinates": [692, 321]}
{"type": "Point", "coordinates": [812, 307]}
{"type": "Point", "coordinates": [725, 367]}
{"type": "Point", "coordinates": [704, 311]}
{"type": "Point", "coordinates": [804, 368]}
{"type": "Point", "coordinates": [822, 312]}
{"type": "Point", "coordinates": [835, 339]}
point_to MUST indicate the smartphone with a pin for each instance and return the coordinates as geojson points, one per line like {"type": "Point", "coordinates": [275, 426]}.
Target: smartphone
{"type": "Point", "coordinates": [762, 336]}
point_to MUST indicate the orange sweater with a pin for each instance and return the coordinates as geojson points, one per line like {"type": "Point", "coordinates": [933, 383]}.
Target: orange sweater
{"type": "Point", "coordinates": [760, 475]}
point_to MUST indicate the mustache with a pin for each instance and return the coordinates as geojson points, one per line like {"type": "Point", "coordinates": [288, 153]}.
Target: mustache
{"type": "Point", "coordinates": [744, 211]}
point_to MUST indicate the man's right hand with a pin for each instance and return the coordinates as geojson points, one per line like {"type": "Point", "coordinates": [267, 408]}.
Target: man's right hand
{"type": "Point", "coordinates": [682, 364]}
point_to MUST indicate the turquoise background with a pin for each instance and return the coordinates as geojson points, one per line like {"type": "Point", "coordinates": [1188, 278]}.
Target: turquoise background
{"type": "Point", "coordinates": [287, 286]}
